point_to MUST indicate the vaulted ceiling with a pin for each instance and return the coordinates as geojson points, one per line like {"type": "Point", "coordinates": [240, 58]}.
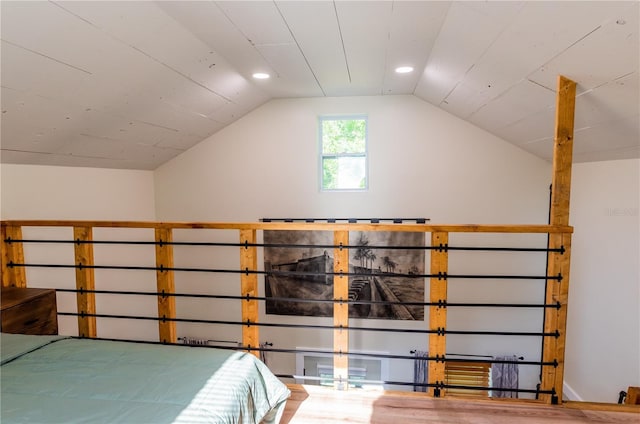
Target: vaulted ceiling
{"type": "Point", "coordinates": [131, 84]}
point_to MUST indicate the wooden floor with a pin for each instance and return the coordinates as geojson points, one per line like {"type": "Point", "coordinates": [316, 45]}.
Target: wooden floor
{"type": "Point", "coordinates": [314, 404]}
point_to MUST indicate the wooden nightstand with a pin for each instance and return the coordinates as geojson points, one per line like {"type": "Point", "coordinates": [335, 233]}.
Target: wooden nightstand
{"type": "Point", "coordinates": [28, 311]}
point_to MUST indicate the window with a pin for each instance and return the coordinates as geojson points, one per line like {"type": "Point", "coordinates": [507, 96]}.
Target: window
{"type": "Point", "coordinates": [343, 146]}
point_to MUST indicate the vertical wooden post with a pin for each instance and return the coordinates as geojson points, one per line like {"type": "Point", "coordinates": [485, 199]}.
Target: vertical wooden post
{"type": "Point", "coordinates": [249, 287]}
{"type": "Point", "coordinates": [85, 280]}
{"type": "Point", "coordinates": [556, 319]}
{"type": "Point", "coordinates": [438, 314]}
{"type": "Point", "coordinates": [562, 152]}
{"type": "Point", "coordinates": [12, 253]}
{"type": "Point", "coordinates": [165, 278]}
{"type": "Point", "coordinates": [558, 263]}
{"type": "Point", "coordinates": [341, 310]}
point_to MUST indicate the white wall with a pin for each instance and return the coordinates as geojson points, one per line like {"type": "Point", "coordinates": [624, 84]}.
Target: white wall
{"type": "Point", "coordinates": [603, 329]}
{"type": "Point", "coordinates": [57, 192]}
{"type": "Point", "coordinates": [70, 193]}
{"type": "Point", "coordinates": [423, 162]}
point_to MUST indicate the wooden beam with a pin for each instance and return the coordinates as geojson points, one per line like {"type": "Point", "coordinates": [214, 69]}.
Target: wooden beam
{"type": "Point", "coordinates": [249, 287]}
{"type": "Point", "coordinates": [165, 278]}
{"type": "Point", "coordinates": [558, 263]}
{"type": "Point", "coordinates": [85, 280]}
{"type": "Point", "coordinates": [437, 314]}
{"type": "Point", "coordinates": [303, 226]}
{"type": "Point", "coordinates": [12, 253]}
{"type": "Point", "coordinates": [341, 310]}
{"type": "Point", "coordinates": [563, 152]}
{"type": "Point", "coordinates": [556, 319]}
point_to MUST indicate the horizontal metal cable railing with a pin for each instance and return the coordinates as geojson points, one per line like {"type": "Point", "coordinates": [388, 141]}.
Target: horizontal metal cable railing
{"type": "Point", "coordinates": [337, 270]}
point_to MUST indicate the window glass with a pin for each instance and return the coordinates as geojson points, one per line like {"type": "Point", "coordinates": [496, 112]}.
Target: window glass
{"type": "Point", "coordinates": [343, 153]}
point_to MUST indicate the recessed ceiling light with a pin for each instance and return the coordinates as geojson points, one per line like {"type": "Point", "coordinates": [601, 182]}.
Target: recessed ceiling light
{"type": "Point", "coordinates": [404, 69]}
{"type": "Point", "coordinates": [260, 75]}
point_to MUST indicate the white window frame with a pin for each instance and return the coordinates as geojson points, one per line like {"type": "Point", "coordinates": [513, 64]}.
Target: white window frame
{"type": "Point", "coordinates": [321, 154]}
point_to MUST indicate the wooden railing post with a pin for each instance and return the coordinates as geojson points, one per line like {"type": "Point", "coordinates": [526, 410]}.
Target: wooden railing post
{"type": "Point", "coordinates": [562, 152]}
{"type": "Point", "coordinates": [165, 278]}
{"type": "Point", "coordinates": [85, 280]}
{"type": "Point", "coordinates": [555, 320]}
{"type": "Point", "coordinates": [249, 287]}
{"type": "Point", "coordinates": [438, 314]}
{"type": "Point", "coordinates": [341, 310]}
{"type": "Point", "coordinates": [12, 253]}
{"type": "Point", "coordinates": [558, 263]}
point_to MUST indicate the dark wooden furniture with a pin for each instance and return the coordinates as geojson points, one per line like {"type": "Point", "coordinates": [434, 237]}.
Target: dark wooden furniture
{"type": "Point", "coordinates": [633, 396]}
{"type": "Point", "coordinates": [28, 311]}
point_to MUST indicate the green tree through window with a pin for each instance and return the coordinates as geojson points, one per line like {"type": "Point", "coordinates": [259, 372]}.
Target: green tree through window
{"type": "Point", "coordinates": [344, 153]}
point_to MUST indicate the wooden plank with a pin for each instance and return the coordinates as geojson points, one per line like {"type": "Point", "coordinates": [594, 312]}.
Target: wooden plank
{"type": "Point", "coordinates": [12, 252]}
{"type": "Point", "coordinates": [340, 310]}
{"type": "Point", "coordinates": [311, 404]}
{"type": "Point", "coordinates": [562, 267]}
{"type": "Point", "coordinates": [633, 396]}
{"type": "Point", "coordinates": [249, 287]}
{"type": "Point", "coordinates": [558, 263]}
{"type": "Point", "coordinates": [550, 323]}
{"type": "Point", "coordinates": [5, 257]}
{"type": "Point", "coordinates": [601, 406]}
{"type": "Point", "coordinates": [563, 151]}
{"type": "Point", "coordinates": [318, 226]}
{"type": "Point", "coordinates": [556, 319]}
{"type": "Point", "coordinates": [85, 280]}
{"type": "Point", "coordinates": [166, 284]}
{"type": "Point", "coordinates": [438, 315]}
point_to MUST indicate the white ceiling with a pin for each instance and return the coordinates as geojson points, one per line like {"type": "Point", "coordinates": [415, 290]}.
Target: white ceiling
{"type": "Point", "coordinates": [133, 84]}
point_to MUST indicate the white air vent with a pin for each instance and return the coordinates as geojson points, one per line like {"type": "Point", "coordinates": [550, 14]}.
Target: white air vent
{"type": "Point", "coordinates": [363, 372]}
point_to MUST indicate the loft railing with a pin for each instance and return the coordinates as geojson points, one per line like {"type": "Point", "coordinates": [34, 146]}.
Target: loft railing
{"type": "Point", "coordinates": [554, 307]}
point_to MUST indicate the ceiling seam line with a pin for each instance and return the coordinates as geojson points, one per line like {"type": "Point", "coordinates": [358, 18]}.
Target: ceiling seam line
{"type": "Point", "coordinates": [540, 85]}
{"type": "Point", "coordinates": [109, 113]}
{"type": "Point", "coordinates": [479, 58]}
{"type": "Point", "coordinates": [426, 63]}
{"type": "Point", "coordinates": [188, 78]}
{"type": "Point", "coordinates": [344, 51]}
{"type": "Point", "coordinates": [251, 43]}
{"type": "Point", "coordinates": [386, 50]}
{"type": "Point", "coordinates": [564, 50]}
{"type": "Point", "coordinates": [502, 94]}
{"type": "Point", "coordinates": [47, 57]}
{"type": "Point", "coordinates": [144, 53]}
{"type": "Point", "coordinates": [300, 49]}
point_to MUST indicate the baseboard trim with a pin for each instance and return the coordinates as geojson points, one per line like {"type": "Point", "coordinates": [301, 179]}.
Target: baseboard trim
{"type": "Point", "coordinates": [570, 394]}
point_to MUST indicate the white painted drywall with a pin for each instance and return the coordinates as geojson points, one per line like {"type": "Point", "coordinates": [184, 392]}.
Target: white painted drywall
{"type": "Point", "coordinates": [603, 328]}
{"type": "Point", "coordinates": [423, 162]}
{"type": "Point", "coordinates": [71, 193]}
{"type": "Point", "coordinates": [58, 192]}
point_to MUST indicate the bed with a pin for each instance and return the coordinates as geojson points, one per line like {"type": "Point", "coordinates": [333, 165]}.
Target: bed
{"type": "Point", "coordinates": [59, 379]}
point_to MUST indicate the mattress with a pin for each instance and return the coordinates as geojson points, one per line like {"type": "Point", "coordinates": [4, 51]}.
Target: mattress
{"type": "Point", "coordinates": [56, 379]}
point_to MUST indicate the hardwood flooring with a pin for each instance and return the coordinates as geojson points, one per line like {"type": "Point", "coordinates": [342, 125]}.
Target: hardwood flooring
{"type": "Point", "coordinates": [314, 404]}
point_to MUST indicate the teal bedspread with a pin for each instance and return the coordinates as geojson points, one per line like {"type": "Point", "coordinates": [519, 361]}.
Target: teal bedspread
{"type": "Point", "coordinates": [49, 379]}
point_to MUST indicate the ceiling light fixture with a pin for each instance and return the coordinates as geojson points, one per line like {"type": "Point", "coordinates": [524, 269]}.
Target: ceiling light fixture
{"type": "Point", "coordinates": [404, 69]}
{"type": "Point", "coordinates": [260, 75]}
